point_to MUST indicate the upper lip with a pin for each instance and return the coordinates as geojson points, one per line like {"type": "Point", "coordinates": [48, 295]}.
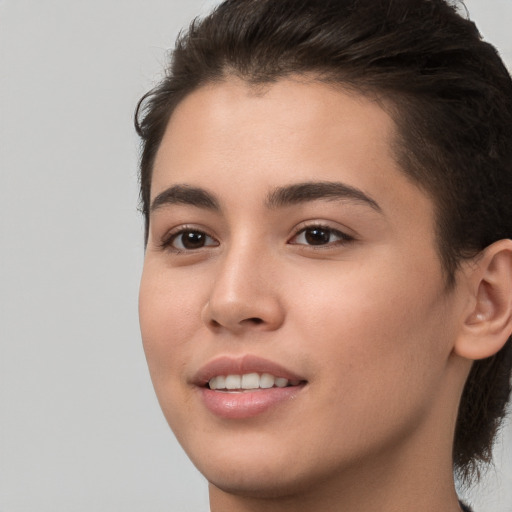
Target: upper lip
{"type": "Point", "coordinates": [227, 365]}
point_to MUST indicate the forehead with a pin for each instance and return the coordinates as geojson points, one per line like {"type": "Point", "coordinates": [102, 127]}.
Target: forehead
{"type": "Point", "coordinates": [254, 138]}
{"type": "Point", "coordinates": [270, 118]}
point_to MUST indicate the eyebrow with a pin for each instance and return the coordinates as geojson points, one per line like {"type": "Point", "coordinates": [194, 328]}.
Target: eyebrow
{"type": "Point", "coordinates": [312, 190]}
{"type": "Point", "coordinates": [280, 197]}
{"type": "Point", "coordinates": [185, 194]}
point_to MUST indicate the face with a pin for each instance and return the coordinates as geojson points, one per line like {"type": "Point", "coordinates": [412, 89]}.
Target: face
{"type": "Point", "coordinates": [293, 307]}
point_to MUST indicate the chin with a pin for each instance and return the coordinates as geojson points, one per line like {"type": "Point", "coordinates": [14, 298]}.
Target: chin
{"type": "Point", "coordinates": [263, 473]}
{"type": "Point", "coordinates": [259, 484]}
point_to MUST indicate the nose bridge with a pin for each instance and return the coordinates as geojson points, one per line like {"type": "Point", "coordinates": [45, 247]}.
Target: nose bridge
{"type": "Point", "coordinates": [243, 294]}
{"type": "Point", "coordinates": [243, 263]}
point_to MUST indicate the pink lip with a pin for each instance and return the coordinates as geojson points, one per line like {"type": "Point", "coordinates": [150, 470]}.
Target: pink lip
{"type": "Point", "coordinates": [246, 404]}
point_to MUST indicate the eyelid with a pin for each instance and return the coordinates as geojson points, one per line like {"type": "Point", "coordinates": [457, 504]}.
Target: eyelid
{"type": "Point", "coordinates": [167, 240]}
{"type": "Point", "coordinates": [344, 237]}
{"type": "Point", "coordinates": [170, 236]}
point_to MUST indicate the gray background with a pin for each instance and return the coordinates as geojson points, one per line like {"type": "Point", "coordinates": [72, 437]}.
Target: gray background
{"type": "Point", "coordinates": [80, 428]}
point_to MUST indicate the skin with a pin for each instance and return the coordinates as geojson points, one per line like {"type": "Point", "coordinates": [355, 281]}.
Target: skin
{"type": "Point", "coordinates": [365, 318]}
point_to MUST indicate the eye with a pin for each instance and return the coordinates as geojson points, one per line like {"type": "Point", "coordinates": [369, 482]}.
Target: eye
{"type": "Point", "coordinates": [320, 235]}
{"type": "Point", "coordinates": [189, 240]}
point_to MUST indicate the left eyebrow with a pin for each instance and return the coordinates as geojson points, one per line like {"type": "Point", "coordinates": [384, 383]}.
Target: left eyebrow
{"type": "Point", "coordinates": [313, 190]}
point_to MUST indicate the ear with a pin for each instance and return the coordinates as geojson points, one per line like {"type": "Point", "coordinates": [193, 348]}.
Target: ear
{"type": "Point", "coordinates": [488, 319]}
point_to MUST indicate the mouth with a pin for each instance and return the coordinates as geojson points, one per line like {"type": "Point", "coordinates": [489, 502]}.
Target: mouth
{"type": "Point", "coordinates": [249, 382]}
{"type": "Point", "coordinates": [247, 386]}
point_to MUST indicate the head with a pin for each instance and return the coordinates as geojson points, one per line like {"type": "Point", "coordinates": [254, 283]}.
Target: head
{"type": "Point", "coordinates": [446, 91]}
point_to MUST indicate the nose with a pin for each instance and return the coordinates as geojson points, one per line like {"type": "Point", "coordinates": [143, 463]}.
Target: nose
{"type": "Point", "coordinates": [244, 295]}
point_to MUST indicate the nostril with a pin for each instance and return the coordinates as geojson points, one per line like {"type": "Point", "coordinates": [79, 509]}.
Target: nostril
{"type": "Point", "coordinates": [255, 320]}
{"type": "Point", "coordinates": [246, 321]}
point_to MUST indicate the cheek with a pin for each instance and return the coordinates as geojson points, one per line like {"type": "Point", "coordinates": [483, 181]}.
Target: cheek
{"type": "Point", "coordinates": [169, 315]}
{"type": "Point", "coordinates": [378, 359]}
{"type": "Point", "coordinates": [375, 329]}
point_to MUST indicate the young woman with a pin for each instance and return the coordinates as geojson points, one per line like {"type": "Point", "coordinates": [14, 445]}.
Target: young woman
{"type": "Point", "coordinates": [326, 300]}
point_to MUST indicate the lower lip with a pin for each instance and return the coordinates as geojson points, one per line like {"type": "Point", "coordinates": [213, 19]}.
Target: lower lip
{"type": "Point", "coordinates": [247, 404]}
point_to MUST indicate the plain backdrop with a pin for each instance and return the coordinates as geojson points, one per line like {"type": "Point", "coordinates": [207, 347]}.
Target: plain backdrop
{"type": "Point", "coordinates": [80, 428]}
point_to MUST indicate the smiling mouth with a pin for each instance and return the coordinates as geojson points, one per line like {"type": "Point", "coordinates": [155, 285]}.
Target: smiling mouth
{"type": "Point", "coordinates": [249, 382]}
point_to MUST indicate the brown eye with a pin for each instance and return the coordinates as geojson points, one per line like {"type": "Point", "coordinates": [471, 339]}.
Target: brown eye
{"type": "Point", "coordinates": [320, 235]}
{"type": "Point", "coordinates": [188, 240]}
{"type": "Point", "coordinates": [317, 236]}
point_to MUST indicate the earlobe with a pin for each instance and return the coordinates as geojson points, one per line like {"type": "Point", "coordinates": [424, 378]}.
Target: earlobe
{"type": "Point", "coordinates": [488, 321]}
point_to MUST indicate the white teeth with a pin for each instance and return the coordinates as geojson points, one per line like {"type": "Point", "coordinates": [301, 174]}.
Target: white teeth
{"type": "Point", "coordinates": [233, 381]}
{"type": "Point", "coordinates": [248, 381]}
{"type": "Point", "coordinates": [267, 381]}
{"type": "Point", "coordinates": [281, 383]}
{"type": "Point", "coordinates": [221, 382]}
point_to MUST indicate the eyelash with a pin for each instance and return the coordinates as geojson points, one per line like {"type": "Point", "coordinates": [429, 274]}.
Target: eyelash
{"type": "Point", "coordinates": [343, 238]}
{"type": "Point", "coordinates": [168, 241]}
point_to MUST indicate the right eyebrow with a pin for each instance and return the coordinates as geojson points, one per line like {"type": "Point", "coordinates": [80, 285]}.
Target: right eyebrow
{"type": "Point", "coordinates": [185, 194]}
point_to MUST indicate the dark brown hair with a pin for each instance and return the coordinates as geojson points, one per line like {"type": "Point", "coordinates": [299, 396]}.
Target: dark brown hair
{"type": "Point", "coordinates": [447, 91]}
